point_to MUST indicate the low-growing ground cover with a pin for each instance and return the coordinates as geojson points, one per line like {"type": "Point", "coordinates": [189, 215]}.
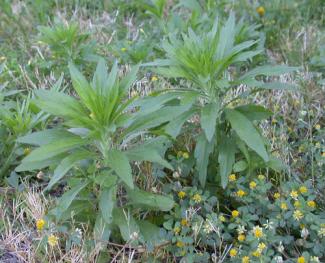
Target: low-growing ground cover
{"type": "Point", "coordinates": [162, 131]}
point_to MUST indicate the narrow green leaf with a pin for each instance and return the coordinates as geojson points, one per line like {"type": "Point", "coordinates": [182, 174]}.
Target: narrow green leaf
{"type": "Point", "coordinates": [54, 148]}
{"type": "Point", "coordinates": [202, 152]}
{"type": "Point", "coordinates": [150, 201]}
{"type": "Point", "coordinates": [209, 115]}
{"type": "Point", "coordinates": [118, 161]}
{"type": "Point", "coordinates": [65, 165]}
{"type": "Point", "coordinates": [107, 203]}
{"type": "Point", "coordinates": [67, 198]}
{"type": "Point", "coordinates": [254, 112]}
{"type": "Point", "coordinates": [247, 132]}
{"type": "Point", "coordinates": [126, 223]}
{"type": "Point", "coordinates": [226, 159]}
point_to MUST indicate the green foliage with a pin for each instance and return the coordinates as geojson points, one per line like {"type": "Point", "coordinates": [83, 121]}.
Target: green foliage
{"type": "Point", "coordinates": [207, 61]}
{"type": "Point", "coordinates": [98, 128]}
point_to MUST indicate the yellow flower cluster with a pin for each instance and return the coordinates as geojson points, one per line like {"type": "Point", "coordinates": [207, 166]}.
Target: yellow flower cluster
{"type": "Point", "coordinates": [235, 213]}
{"type": "Point", "coordinates": [241, 237]}
{"type": "Point", "coordinates": [181, 194]}
{"type": "Point", "coordinates": [297, 215]}
{"type": "Point", "coordinates": [40, 224]}
{"type": "Point", "coordinates": [301, 260]}
{"type": "Point", "coordinates": [233, 252]}
{"type": "Point", "coordinates": [277, 195]}
{"type": "Point", "coordinates": [258, 231]}
{"type": "Point", "coordinates": [241, 193]}
{"type": "Point", "coordinates": [197, 198]}
{"type": "Point", "coordinates": [252, 185]}
{"type": "Point", "coordinates": [245, 259]}
{"type": "Point", "coordinates": [232, 178]}
{"type": "Point", "coordinates": [52, 240]}
{"type": "Point", "coordinates": [260, 10]}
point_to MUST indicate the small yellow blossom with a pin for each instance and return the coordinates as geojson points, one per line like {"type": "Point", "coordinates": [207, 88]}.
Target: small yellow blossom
{"type": "Point", "coordinates": [181, 194]}
{"type": "Point", "coordinates": [323, 154]}
{"type": "Point", "coordinates": [274, 121]}
{"type": "Point", "coordinates": [256, 254]}
{"type": "Point", "coordinates": [186, 155]}
{"type": "Point", "coordinates": [154, 78]}
{"type": "Point", "coordinates": [197, 198]}
{"type": "Point", "coordinates": [240, 193]}
{"type": "Point", "coordinates": [260, 10]}
{"type": "Point", "coordinates": [232, 178]}
{"type": "Point", "coordinates": [222, 218]}
{"type": "Point", "coordinates": [284, 206]}
{"type": "Point", "coordinates": [241, 237]}
{"type": "Point", "coordinates": [261, 177]}
{"type": "Point", "coordinates": [123, 49]}
{"type": "Point", "coordinates": [184, 222]}
{"type": "Point", "coordinates": [177, 230]}
{"type": "Point", "coordinates": [301, 260]}
{"type": "Point", "coordinates": [277, 195]}
{"type": "Point", "coordinates": [317, 127]}
{"type": "Point", "coordinates": [294, 194]}
{"type": "Point", "coordinates": [252, 185]}
{"type": "Point", "coordinates": [297, 204]}
{"type": "Point", "coordinates": [27, 151]}
{"type": "Point", "coordinates": [297, 215]}
{"type": "Point", "coordinates": [261, 247]}
{"type": "Point", "coordinates": [2, 58]}
{"type": "Point", "coordinates": [179, 244]}
{"type": "Point", "coordinates": [317, 144]}
{"type": "Point", "coordinates": [311, 203]}
{"type": "Point", "coordinates": [303, 189]}
{"type": "Point", "coordinates": [52, 240]}
{"type": "Point", "coordinates": [245, 259]}
{"type": "Point", "coordinates": [235, 213]}
{"type": "Point", "coordinates": [40, 224]}
{"type": "Point", "coordinates": [258, 231]}
{"type": "Point", "coordinates": [233, 252]}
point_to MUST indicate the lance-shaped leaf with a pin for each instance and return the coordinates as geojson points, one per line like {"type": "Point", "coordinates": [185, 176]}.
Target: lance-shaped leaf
{"type": "Point", "coordinates": [209, 115]}
{"type": "Point", "coordinates": [247, 132]}
{"type": "Point", "coordinates": [107, 203]}
{"type": "Point", "coordinates": [118, 161]}
{"type": "Point", "coordinates": [226, 159]}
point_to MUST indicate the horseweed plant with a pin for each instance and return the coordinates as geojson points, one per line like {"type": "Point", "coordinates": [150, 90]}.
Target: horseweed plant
{"type": "Point", "coordinates": [92, 150]}
{"type": "Point", "coordinates": [212, 63]}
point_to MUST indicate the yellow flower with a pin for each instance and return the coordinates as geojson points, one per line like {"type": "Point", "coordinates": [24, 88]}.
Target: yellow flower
{"type": "Point", "coordinates": [27, 151]}
{"type": "Point", "coordinates": [274, 121]}
{"type": "Point", "coordinates": [186, 155]}
{"type": "Point", "coordinates": [241, 193]}
{"type": "Point", "coordinates": [323, 154]}
{"type": "Point", "coordinates": [277, 195]}
{"type": "Point", "coordinates": [232, 178]}
{"type": "Point", "coordinates": [317, 126]}
{"type": "Point", "coordinates": [297, 215]}
{"type": "Point", "coordinates": [184, 222]}
{"type": "Point", "coordinates": [241, 238]}
{"type": "Point", "coordinates": [303, 189]}
{"type": "Point", "coordinates": [233, 252]}
{"type": "Point", "coordinates": [252, 185]}
{"type": "Point", "coordinates": [261, 177]}
{"type": "Point", "coordinates": [92, 115]}
{"type": "Point", "coordinates": [52, 240]}
{"type": "Point", "coordinates": [222, 218]}
{"type": "Point", "coordinates": [294, 194]}
{"type": "Point", "coordinates": [235, 213]}
{"type": "Point", "coordinates": [123, 49]}
{"type": "Point", "coordinates": [154, 78]}
{"type": "Point", "coordinates": [181, 194]}
{"type": "Point", "coordinates": [261, 247]}
{"type": "Point", "coordinates": [311, 203]}
{"type": "Point", "coordinates": [245, 259]}
{"type": "Point", "coordinates": [177, 230]}
{"type": "Point", "coordinates": [260, 10]}
{"type": "Point", "coordinates": [258, 231]}
{"type": "Point", "coordinates": [40, 224]}
{"type": "Point", "coordinates": [284, 206]}
{"type": "Point", "coordinates": [179, 244]}
{"type": "Point", "coordinates": [197, 198]}
{"type": "Point", "coordinates": [297, 203]}
{"type": "Point", "coordinates": [301, 260]}
{"type": "Point", "coordinates": [256, 253]}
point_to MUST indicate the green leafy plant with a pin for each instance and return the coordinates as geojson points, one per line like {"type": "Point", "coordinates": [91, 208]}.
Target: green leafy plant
{"type": "Point", "coordinates": [67, 43]}
{"type": "Point", "coordinates": [91, 152]}
{"type": "Point", "coordinates": [214, 65]}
